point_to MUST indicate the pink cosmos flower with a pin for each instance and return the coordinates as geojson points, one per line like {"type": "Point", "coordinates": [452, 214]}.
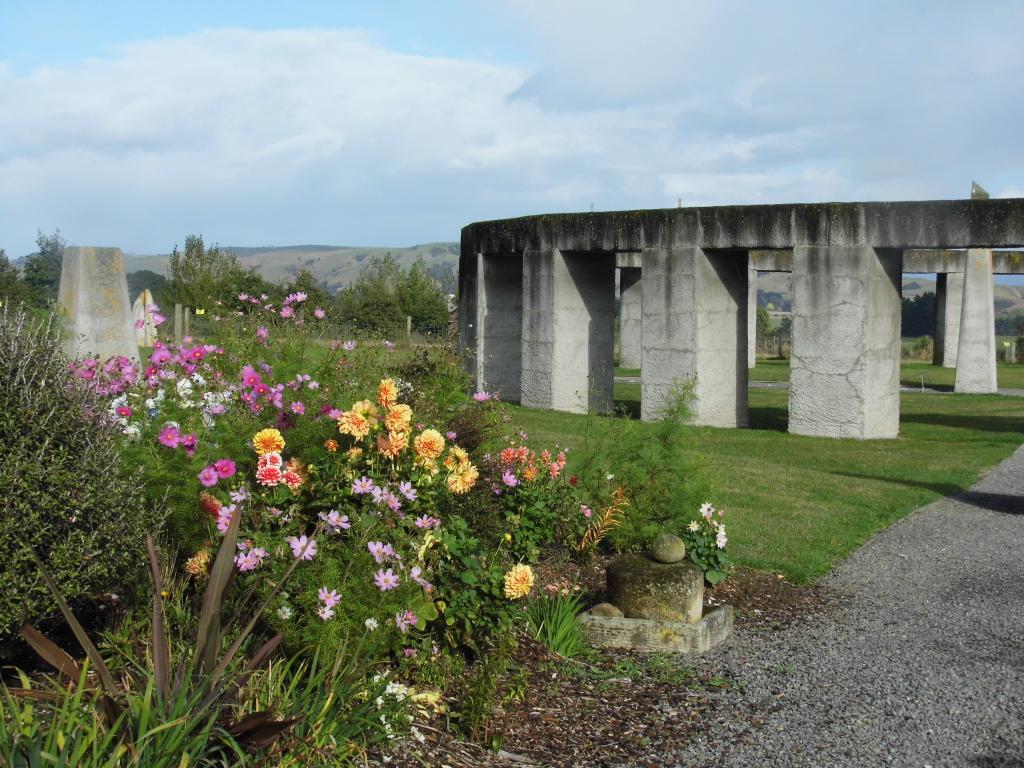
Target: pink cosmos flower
{"type": "Point", "coordinates": [302, 547]}
{"type": "Point", "coordinates": [250, 377]}
{"type": "Point", "coordinates": [326, 613]}
{"type": "Point", "coordinates": [170, 437]}
{"type": "Point", "coordinates": [406, 489]}
{"type": "Point", "coordinates": [481, 397]}
{"type": "Point", "coordinates": [287, 311]}
{"type": "Point", "coordinates": [328, 597]}
{"type": "Point", "coordinates": [250, 558]}
{"type": "Point", "coordinates": [409, 652]}
{"type": "Point", "coordinates": [363, 485]}
{"type": "Point", "coordinates": [585, 510]}
{"type": "Point", "coordinates": [385, 580]}
{"type": "Point", "coordinates": [509, 478]}
{"type": "Point", "coordinates": [139, 324]}
{"type": "Point", "coordinates": [189, 443]}
{"type": "Point", "coordinates": [426, 522]}
{"type": "Point", "coordinates": [377, 550]}
{"type": "Point", "coordinates": [124, 412]}
{"type": "Point", "coordinates": [404, 620]}
{"type": "Point", "coordinates": [451, 436]}
{"type": "Point", "coordinates": [335, 521]}
{"type": "Point", "coordinates": [262, 333]}
{"type": "Point", "coordinates": [224, 515]}
{"type": "Point", "coordinates": [160, 356]}
{"type": "Point", "coordinates": [209, 477]}
{"type": "Point", "coordinates": [298, 407]}
{"type": "Point", "coordinates": [319, 314]}
{"type": "Point", "coordinates": [225, 468]}
{"type": "Point", "coordinates": [348, 346]}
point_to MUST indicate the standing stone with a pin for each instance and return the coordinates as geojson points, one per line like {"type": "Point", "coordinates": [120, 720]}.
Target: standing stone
{"type": "Point", "coordinates": [949, 293]}
{"type": "Point", "coordinates": [751, 317]}
{"type": "Point", "coordinates": [695, 331]}
{"type": "Point", "coordinates": [644, 589]}
{"type": "Point", "coordinates": [630, 316]}
{"type": "Point", "coordinates": [93, 295]}
{"type": "Point", "coordinates": [976, 353]}
{"type": "Point", "coordinates": [568, 330]}
{"type": "Point", "coordinates": [845, 364]}
{"type": "Point", "coordinates": [145, 328]}
{"type": "Point", "coordinates": [499, 325]}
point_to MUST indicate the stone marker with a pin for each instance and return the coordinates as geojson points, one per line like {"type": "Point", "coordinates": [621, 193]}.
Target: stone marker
{"type": "Point", "coordinates": [668, 548]}
{"type": "Point", "coordinates": [606, 611]}
{"type": "Point", "coordinates": [94, 297]}
{"type": "Point", "coordinates": [644, 589]}
{"type": "Point", "coordinates": [145, 328]}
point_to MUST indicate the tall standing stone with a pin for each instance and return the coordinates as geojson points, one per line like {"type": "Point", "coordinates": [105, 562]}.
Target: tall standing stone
{"type": "Point", "coordinates": [949, 294]}
{"type": "Point", "coordinates": [499, 324]}
{"type": "Point", "coordinates": [976, 350]}
{"type": "Point", "coordinates": [145, 328]}
{"type": "Point", "coordinates": [630, 314]}
{"type": "Point", "coordinates": [94, 298]}
{"type": "Point", "coordinates": [845, 375]}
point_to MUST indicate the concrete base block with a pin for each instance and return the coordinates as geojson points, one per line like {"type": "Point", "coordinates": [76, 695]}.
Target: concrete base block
{"type": "Point", "coordinates": [652, 636]}
{"type": "Point", "coordinates": [93, 295]}
{"type": "Point", "coordinates": [976, 351]}
{"type": "Point", "coordinates": [630, 317]}
{"type": "Point", "coordinates": [499, 325]}
{"type": "Point", "coordinates": [568, 331]}
{"type": "Point", "coordinates": [695, 333]}
{"type": "Point", "coordinates": [845, 364]}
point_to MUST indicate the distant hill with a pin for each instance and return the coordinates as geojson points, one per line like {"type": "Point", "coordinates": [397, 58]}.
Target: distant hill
{"type": "Point", "coordinates": [334, 265]}
{"type": "Point", "coordinates": [774, 288]}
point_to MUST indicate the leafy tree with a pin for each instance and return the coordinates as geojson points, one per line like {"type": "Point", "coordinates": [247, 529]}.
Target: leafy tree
{"type": "Point", "coordinates": [1010, 324]}
{"type": "Point", "coordinates": [13, 290]}
{"type": "Point", "coordinates": [42, 269]}
{"type": "Point", "coordinates": [385, 294]}
{"type": "Point", "coordinates": [764, 324]}
{"type": "Point", "coordinates": [918, 315]}
{"type": "Point", "coordinates": [157, 285]}
{"type": "Point", "coordinates": [306, 282]}
{"type": "Point", "coordinates": [201, 276]}
{"type": "Point", "coordinates": [421, 299]}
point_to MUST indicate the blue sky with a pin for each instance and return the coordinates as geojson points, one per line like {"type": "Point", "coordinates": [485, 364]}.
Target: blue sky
{"type": "Point", "coordinates": [264, 123]}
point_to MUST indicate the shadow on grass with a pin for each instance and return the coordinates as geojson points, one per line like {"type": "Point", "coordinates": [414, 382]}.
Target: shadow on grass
{"type": "Point", "coordinates": [975, 423]}
{"type": "Point", "coordinates": [628, 408]}
{"type": "Point", "coordinates": [915, 385]}
{"type": "Point", "coordinates": [1006, 503]}
{"type": "Point", "coordinates": [771, 418]}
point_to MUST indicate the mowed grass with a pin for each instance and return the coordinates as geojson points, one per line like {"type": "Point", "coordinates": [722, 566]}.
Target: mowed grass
{"type": "Point", "coordinates": [796, 505]}
{"type": "Point", "coordinates": [912, 374]}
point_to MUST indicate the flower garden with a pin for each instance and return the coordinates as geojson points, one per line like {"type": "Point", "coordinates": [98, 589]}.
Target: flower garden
{"type": "Point", "coordinates": [269, 546]}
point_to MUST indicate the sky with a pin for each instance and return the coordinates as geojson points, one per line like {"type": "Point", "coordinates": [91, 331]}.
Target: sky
{"type": "Point", "coordinates": [397, 123]}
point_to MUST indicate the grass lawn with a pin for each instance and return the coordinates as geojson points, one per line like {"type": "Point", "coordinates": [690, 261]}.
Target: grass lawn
{"type": "Point", "coordinates": [911, 372]}
{"type": "Point", "coordinates": [795, 504]}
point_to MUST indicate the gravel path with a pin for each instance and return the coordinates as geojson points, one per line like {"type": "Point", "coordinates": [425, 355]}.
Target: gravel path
{"type": "Point", "coordinates": [920, 662]}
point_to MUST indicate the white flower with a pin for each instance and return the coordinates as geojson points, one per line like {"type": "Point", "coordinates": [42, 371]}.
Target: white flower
{"type": "Point", "coordinates": [609, 476]}
{"type": "Point", "coordinates": [284, 613]}
{"type": "Point", "coordinates": [720, 539]}
{"type": "Point", "coordinates": [694, 526]}
{"type": "Point", "coordinates": [706, 510]}
{"type": "Point", "coordinates": [371, 624]}
{"type": "Point", "coordinates": [184, 387]}
{"type": "Point", "coordinates": [198, 380]}
{"type": "Point", "coordinates": [132, 431]}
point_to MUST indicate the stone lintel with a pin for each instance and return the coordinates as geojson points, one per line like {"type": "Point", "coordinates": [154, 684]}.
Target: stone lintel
{"type": "Point", "coordinates": [904, 225]}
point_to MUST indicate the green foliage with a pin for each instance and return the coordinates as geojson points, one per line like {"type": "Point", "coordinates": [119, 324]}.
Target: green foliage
{"type": "Point", "coordinates": [200, 276]}
{"type": "Point", "coordinates": [702, 537]}
{"type": "Point", "coordinates": [918, 317]}
{"type": "Point", "coordinates": [385, 294]}
{"type": "Point", "coordinates": [13, 290]}
{"type": "Point", "coordinates": [764, 323]}
{"type": "Point", "coordinates": [66, 492]}
{"type": "Point", "coordinates": [655, 463]}
{"type": "Point", "coordinates": [474, 707]}
{"type": "Point", "coordinates": [158, 286]}
{"type": "Point", "coordinates": [41, 271]}
{"type": "Point", "coordinates": [552, 620]}
{"type": "Point", "coordinates": [1010, 324]}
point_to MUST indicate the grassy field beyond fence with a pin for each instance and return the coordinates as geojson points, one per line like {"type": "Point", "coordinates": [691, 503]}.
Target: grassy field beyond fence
{"type": "Point", "coordinates": [796, 505]}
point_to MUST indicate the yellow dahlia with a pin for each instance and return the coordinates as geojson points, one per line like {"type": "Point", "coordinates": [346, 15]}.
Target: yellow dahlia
{"type": "Point", "coordinates": [392, 444]}
{"type": "Point", "coordinates": [518, 582]}
{"type": "Point", "coordinates": [199, 563]}
{"type": "Point", "coordinates": [268, 441]}
{"type": "Point", "coordinates": [399, 418]}
{"type": "Point", "coordinates": [460, 482]}
{"type": "Point", "coordinates": [428, 444]}
{"type": "Point", "coordinates": [457, 458]}
{"type": "Point", "coordinates": [387, 392]}
{"type": "Point", "coordinates": [364, 408]}
{"type": "Point", "coordinates": [353, 423]}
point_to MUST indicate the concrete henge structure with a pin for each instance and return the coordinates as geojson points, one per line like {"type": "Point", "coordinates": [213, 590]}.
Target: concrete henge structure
{"type": "Point", "coordinates": [93, 295]}
{"type": "Point", "coordinates": [537, 300]}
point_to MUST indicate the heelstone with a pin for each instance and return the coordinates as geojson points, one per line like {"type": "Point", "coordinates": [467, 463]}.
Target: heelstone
{"type": "Point", "coordinates": [668, 548]}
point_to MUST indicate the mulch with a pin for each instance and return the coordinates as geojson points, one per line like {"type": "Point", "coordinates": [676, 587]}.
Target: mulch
{"type": "Point", "coordinates": [618, 708]}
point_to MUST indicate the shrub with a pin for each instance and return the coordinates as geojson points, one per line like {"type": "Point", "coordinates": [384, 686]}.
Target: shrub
{"type": "Point", "coordinates": [705, 541]}
{"type": "Point", "coordinates": [65, 494]}
{"type": "Point", "coordinates": [553, 622]}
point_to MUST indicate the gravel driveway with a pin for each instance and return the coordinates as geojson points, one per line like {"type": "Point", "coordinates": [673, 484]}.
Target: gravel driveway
{"type": "Point", "coordinates": [921, 663]}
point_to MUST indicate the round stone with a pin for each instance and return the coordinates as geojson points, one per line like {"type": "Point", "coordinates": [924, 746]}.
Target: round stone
{"type": "Point", "coordinates": [606, 611]}
{"type": "Point", "coordinates": [645, 589]}
{"type": "Point", "coordinates": [668, 548]}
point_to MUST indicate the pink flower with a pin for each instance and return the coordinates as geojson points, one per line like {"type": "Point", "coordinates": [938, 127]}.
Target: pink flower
{"type": "Point", "coordinates": [250, 377]}
{"type": "Point", "coordinates": [124, 412]}
{"type": "Point", "coordinates": [209, 476]}
{"type": "Point", "coordinates": [509, 478]}
{"type": "Point", "coordinates": [189, 443]}
{"type": "Point", "coordinates": [250, 558]}
{"type": "Point", "coordinates": [481, 397]}
{"type": "Point", "coordinates": [302, 547]}
{"type": "Point", "coordinates": [385, 580]}
{"type": "Point", "coordinates": [363, 485]}
{"type": "Point", "coordinates": [348, 346]}
{"type": "Point", "coordinates": [224, 515]}
{"type": "Point", "coordinates": [319, 314]}
{"type": "Point", "coordinates": [287, 311]}
{"type": "Point", "coordinates": [409, 652]}
{"type": "Point", "coordinates": [330, 598]}
{"type": "Point", "coordinates": [377, 550]}
{"type": "Point", "coordinates": [585, 510]}
{"type": "Point", "coordinates": [170, 437]}
{"type": "Point", "coordinates": [336, 522]}
{"type": "Point", "coordinates": [427, 522]}
{"type": "Point", "coordinates": [160, 356]}
{"type": "Point", "coordinates": [298, 407]}
{"type": "Point", "coordinates": [326, 613]}
{"type": "Point", "coordinates": [139, 324]}
{"type": "Point", "coordinates": [451, 436]}
{"type": "Point", "coordinates": [262, 333]}
{"type": "Point", "coordinates": [406, 489]}
{"type": "Point", "coordinates": [225, 468]}
{"type": "Point", "coordinates": [404, 620]}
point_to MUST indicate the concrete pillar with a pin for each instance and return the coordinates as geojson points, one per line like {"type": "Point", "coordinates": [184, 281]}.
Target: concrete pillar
{"type": "Point", "coordinates": [949, 291]}
{"type": "Point", "coordinates": [845, 363]}
{"type": "Point", "coordinates": [751, 317]}
{"type": "Point", "coordinates": [568, 330]}
{"type": "Point", "coordinates": [93, 296]}
{"type": "Point", "coordinates": [976, 351]}
{"type": "Point", "coordinates": [499, 324]}
{"type": "Point", "coordinates": [695, 330]}
{"type": "Point", "coordinates": [630, 311]}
